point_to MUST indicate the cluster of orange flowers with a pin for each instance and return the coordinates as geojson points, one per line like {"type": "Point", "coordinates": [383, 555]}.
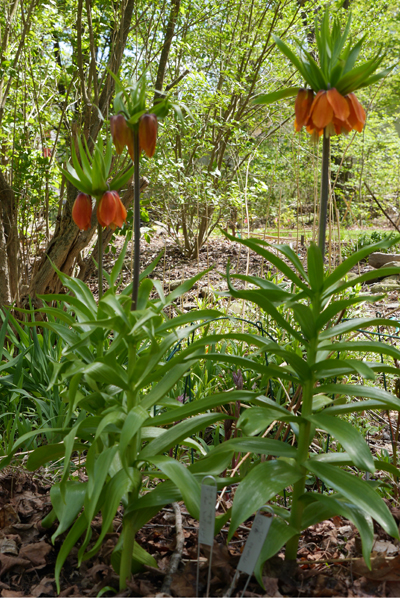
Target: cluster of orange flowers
{"type": "Point", "coordinates": [122, 134]}
{"type": "Point", "coordinates": [110, 211]}
{"type": "Point", "coordinates": [328, 109]}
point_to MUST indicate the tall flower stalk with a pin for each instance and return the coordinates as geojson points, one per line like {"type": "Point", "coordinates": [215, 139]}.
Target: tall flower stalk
{"type": "Point", "coordinates": [91, 175]}
{"type": "Point", "coordinates": [327, 105]}
{"type": "Point", "coordinates": [135, 127]}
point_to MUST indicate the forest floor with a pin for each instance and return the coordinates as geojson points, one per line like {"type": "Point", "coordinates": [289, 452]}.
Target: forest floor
{"type": "Point", "coordinates": [329, 559]}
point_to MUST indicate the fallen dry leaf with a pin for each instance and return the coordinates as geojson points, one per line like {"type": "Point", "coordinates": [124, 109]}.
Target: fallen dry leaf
{"type": "Point", "coordinates": [36, 553]}
{"type": "Point", "coordinates": [8, 546]}
{"type": "Point", "coordinates": [383, 569]}
{"type": "Point", "coordinates": [183, 583]}
{"type": "Point", "coordinates": [9, 562]}
{"type": "Point", "coordinates": [46, 586]}
{"type": "Point", "coordinates": [271, 587]}
{"type": "Point", "coordinates": [8, 516]}
{"type": "Point", "coordinates": [70, 592]}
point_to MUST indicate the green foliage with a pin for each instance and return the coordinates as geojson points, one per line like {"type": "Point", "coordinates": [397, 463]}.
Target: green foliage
{"type": "Point", "coordinates": [27, 361]}
{"type": "Point", "coordinates": [337, 62]}
{"type": "Point", "coordinates": [120, 417]}
{"type": "Point", "coordinates": [308, 315]}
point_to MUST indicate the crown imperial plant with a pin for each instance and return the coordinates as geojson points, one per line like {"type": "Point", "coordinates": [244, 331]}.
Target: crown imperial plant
{"type": "Point", "coordinates": [334, 109]}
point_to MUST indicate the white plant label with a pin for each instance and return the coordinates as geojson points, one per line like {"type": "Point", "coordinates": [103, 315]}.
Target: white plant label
{"type": "Point", "coordinates": [208, 500]}
{"type": "Point", "coordinates": [254, 543]}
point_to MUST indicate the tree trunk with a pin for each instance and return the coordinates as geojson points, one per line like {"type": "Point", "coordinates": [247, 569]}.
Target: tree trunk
{"type": "Point", "coordinates": [169, 34]}
{"type": "Point", "coordinates": [5, 297]}
{"type": "Point", "coordinates": [9, 226]}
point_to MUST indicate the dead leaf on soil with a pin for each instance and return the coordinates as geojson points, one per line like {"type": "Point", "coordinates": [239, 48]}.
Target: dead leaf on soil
{"type": "Point", "coordinates": [9, 562]}
{"type": "Point", "coordinates": [46, 586]}
{"type": "Point", "coordinates": [383, 569]}
{"type": "Point", "coordinates": [271, 587]}
{"type": "Point", "coordinates": [70, 592]}
{"type": "Point", "coordinates": [8, 516]}
{"type": "Point", "coordinates": [8, 546]}
{"type": "Point", "coordinates": [13, 594]}
{"type": "Point", "coordinates": [385, 546]}
{"type": "Point", "coordinates": [36, 553]}
{"type": "Point", "coordinates": [183, 583]}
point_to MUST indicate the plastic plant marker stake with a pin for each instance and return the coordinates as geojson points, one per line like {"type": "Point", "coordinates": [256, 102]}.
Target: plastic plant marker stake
{"type": "Point", "coordinates": [252, 549]}
{"type": "Point", "coordinates": [208, 501]}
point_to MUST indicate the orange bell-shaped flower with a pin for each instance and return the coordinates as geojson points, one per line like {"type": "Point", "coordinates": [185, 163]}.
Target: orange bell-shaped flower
{"type": "Point", "coordinates": [304, 100]}
{"type": "Point", "coordinates": [148, 133]}
{"type": "Point", "coordinates": [357, 116]}
{"type": "Point", "coordinates": [82, 211]}
{"type": "Point", "coordinates": [119, 132]}
{"type": "Point", "coordinates": [120, 213]}
{"type": "Point", "coordinates": [106, 209]}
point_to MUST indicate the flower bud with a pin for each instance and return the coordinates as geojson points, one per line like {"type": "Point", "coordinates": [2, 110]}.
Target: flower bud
{"type": "Point", "coordinates": [106, 209]}
{"type": "Point", "coordinates": [148, 133]}
{"type": "Point", "coordinates": [119, 132]}
{"type": "Point", "coordinates": [82, 211]}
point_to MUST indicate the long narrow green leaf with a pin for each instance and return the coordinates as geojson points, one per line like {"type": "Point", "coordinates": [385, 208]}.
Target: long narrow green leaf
{"type": "Point", "coordinates": [183, 479]}
{"type": "Point", "coordinates": [265, 481]}
{"type": "Point", "coordinates": [360, 391]}
{"type": "Point", "coordinates": [324, 507]}
{"type": "Point", "coordinates": [354, 324]}
{"type": "Point", "coordinates": [358, 492]}
{"type": "Point", "coordinates": [344, 268]}
{"type": "Point", "coordinates": [179, 432]}
{"type": "Point", "coordinates": [279, 533]}
{"type": "Point", "coordinates": [348, 436]}
{"type": "Point", "coordinates": [274, 96]}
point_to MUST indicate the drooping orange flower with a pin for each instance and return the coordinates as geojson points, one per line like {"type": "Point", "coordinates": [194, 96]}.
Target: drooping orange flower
{"type": "Point", "coordinates": [302, 107]}
{"type": "Point", "coordinates": [120, 213]}
{"type": "Point", "coordinates": [329, 111]}
{"type": "Point", "coordinates": [82, 211]}
{"type": "Point", "coordinates": [106, 209]}
{"type": "Point", "coordinates": [357, 114]}
{"type": "Point", "coordinates": [119, 130]}
{"type": "Point", "coordinates": [148, 133]}
{"type": "Point", "coordinates": [122, 134]}
{"type": "Point", "coordinates": [110, 210]}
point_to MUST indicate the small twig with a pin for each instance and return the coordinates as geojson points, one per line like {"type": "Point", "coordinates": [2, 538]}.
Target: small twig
{"type": "Point", "coordinates": [381, 207]}
{"type": "Point", "coordinates": [177, 555]}
{"type": "Point", "coordinates": [333, 561]}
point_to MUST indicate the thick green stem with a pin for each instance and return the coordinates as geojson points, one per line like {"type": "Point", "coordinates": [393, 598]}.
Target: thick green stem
{"type": "Point", "coordinates": [297, 508]}
{"type": "Point", "coordinates": [129, 529]}
{"type": "Point", "coordinates": [125, 569]}
{"type": "Point", "coordinates": [136, 217]}
{"type": "Point", "coordinates": [100, 244]}
{"type": "Point", "coordinates": [323, 212]}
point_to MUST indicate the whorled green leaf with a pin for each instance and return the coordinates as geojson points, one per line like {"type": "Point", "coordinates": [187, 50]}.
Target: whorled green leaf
{"type": "Point", "coordinates": [274, 96]}
{"type": "Point", "coordinates": [320, 507]}
{"type": "Point", "coordinates": [265, 481]}
{"type": "Point", "coordinates": [357, 491]}
{"type": "Point", "coordinates": [349, 437]}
